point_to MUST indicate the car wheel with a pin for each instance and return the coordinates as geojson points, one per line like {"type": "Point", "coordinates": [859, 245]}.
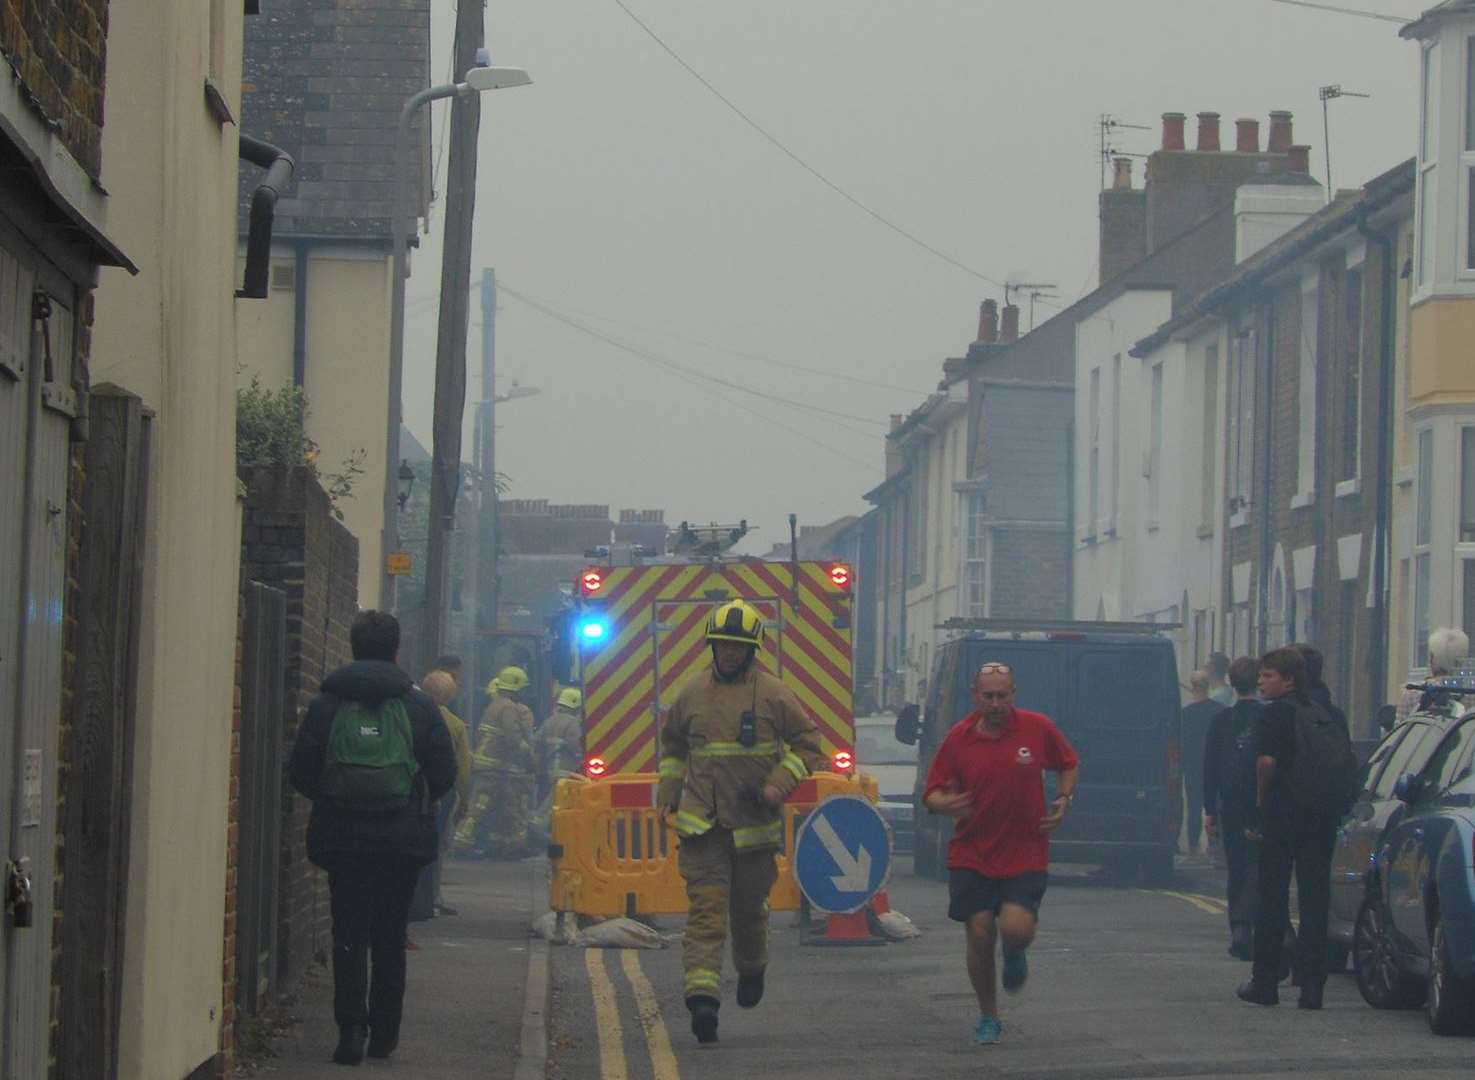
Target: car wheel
{"type": "Point", "coordinates": [1450, 1004]}
{"type": "Point", "coordinates": [1336, 957]}
{"type": "Point", "coordinates": [1383, 984]}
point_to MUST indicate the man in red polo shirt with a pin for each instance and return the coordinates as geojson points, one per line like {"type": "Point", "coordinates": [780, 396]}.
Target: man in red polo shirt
{"type": "Point", "coordinates": [988, 776]}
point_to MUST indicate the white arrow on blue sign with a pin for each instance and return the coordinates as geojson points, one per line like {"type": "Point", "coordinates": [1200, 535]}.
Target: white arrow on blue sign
{"type": "Point", "coordinates": [842, 854]}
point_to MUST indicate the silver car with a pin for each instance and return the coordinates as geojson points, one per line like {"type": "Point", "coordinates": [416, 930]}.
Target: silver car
{"type": "Point", "coordinates": [894, 765]}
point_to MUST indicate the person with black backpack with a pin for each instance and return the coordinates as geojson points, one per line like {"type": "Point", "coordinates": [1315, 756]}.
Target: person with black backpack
{"type": "Point", "coordinates": [1306, 776]}
{"type": "Point", "coordinates": [373, 754]}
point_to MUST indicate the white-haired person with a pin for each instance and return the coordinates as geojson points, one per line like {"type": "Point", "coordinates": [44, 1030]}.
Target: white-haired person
{"type": "Point", "coordinates": [1449, 649]}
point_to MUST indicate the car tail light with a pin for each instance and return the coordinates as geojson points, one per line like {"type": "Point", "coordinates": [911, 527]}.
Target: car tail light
{"type": "Point", "coordinates": [844, 761]}
{"type": "Point", "coordinates": [595, 767]}
{"type": "Point", "coordinates": [591, 581]}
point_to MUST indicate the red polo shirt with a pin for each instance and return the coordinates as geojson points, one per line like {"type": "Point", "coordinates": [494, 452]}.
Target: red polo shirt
{"type": "Point", "coordinates": [1001, 838]}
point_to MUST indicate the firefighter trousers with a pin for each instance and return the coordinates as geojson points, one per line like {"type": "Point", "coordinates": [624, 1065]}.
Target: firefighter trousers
{"type": "Point", "coordinates": [722, 886]}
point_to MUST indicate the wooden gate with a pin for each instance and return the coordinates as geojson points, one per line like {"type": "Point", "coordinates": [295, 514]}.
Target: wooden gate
{"type": "Point", "coordinates": [96, 852]}
{"type": "Point", "coordinates": [263, 699]}
{"type": "Point", "coordinates": [37, 405]}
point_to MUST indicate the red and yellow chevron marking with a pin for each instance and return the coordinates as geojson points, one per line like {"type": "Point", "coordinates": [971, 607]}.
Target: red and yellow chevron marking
{"type": "Point", "coordinates": [657, 641]}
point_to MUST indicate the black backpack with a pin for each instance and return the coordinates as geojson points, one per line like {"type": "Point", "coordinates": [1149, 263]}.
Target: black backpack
{"type": "Point", "coordinates": [1324, 773]}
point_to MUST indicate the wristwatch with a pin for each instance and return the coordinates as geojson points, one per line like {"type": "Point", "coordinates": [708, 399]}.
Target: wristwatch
{"type": "Point", "coordinates": [1068, 796]}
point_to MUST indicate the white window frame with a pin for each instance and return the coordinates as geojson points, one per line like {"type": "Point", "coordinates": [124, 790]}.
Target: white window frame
{"type": "Point", "coordinates": [1093, 480]}
{"type": "Point", "coordinates": [1306, 392]}
{"type": "Point", "coordinates": [1209, 445]}
{"type": "Point", "coordinates": [1115, 505]}
{"type": "Point", "coordinates": [1355, 357]}
{"type": "Point", "coordinates": [976, 556]}
{"type": "Point", "coordinates": [1155, 445]}
{"type": "Point", "coordinates": [1422, 556]}
{"type": "Point", "coordinates": [1464, 271]}
{"type": "Point", "coordinates": [1426, 269]}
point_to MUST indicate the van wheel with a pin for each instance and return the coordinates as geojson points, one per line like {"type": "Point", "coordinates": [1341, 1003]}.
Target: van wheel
{"type": "Point", "coordinates": [1382, 982]}
{"type": "Point", "coordinates": [1450, 1004]}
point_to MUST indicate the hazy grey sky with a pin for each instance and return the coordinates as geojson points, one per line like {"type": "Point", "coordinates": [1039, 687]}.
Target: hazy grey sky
{"type": "Point", "coordinates": [618, 191]}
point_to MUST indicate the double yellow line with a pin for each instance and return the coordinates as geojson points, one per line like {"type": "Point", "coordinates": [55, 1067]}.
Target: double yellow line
{"type": "Point", "coordinates": [1210, 905]}
{"type": "Point", "coordinates": [612, 1061]}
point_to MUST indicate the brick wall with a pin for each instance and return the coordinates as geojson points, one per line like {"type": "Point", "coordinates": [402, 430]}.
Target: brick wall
{"type": "Point", "coordinates": [57, 50]}
{"type": "Point", "coordinates": [1029, 573]}
{"type": "Point", "coordinates": [291, 542]}
{"type": "Point", "coordinates": [228, 1015]}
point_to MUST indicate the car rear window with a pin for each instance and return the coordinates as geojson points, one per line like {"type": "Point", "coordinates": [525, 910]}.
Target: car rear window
{"type": "Point", "coordinates": [1454, 751]}
{"type": "Point", "coordinates": [1411, 756]}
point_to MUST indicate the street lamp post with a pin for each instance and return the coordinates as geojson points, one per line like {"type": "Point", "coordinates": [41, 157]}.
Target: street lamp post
{"type": "Point", "coordinates": [478, 80]}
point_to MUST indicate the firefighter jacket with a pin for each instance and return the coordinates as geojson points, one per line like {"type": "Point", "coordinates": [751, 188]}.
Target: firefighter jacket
{"type": "Point", "coordinates": [461, 743]}
{"type": "Point", "coordinates": [711, 775]}
{"type": "Point", "coordinates": [561, 742]}
{"type": "Point", "coordinates": [504, 742]}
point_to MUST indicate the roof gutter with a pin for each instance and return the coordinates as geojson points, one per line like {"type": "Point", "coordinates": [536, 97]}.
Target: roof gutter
{"type": "Point", "coordinates": [279, 168]}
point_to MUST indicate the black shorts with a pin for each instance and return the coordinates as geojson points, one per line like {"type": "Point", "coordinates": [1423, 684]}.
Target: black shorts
{"type": "Point", "coordinates": [969, 892]}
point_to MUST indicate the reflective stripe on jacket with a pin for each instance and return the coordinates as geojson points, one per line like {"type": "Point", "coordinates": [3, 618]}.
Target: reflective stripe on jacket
{"type": "Point", "coordinates": [504, 740]}
{"type": "Point", "coordinates": [709, 777]}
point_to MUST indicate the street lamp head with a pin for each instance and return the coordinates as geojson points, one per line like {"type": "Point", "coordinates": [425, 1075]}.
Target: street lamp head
{"type": "Point", "coordinates": [481, 79]}
{"type": "Point", "coordinates": [406, 482]}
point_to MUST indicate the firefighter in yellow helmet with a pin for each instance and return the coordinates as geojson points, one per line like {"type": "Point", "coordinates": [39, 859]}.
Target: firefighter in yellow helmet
{"type": "Point", "coordinates": [502, 773]}
{"type": "Point", "coordinates": [735, 744]}
{"type": "Point", "coordinates": [561, 740]}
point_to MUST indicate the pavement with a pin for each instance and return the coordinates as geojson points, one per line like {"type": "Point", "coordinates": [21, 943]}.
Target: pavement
{"type": "Point", "coordinates": [467, 999]}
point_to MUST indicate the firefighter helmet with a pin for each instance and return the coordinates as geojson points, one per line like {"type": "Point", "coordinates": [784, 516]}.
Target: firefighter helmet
{"type": "Point", "coordinates": [570, 699]}
{"type": "Point", "coordinates": [509, 680]}
{"type": "Point", "coordinates": [736, 621]}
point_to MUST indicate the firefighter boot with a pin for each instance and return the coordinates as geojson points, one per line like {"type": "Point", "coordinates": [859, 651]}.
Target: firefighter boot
{"type": "Point", "coordinates": [703, 1017]}
{"type": "Point", "coordinates": [1311, 992]}
{"type": "Point", "coordinates": [350, 1050]}
{"type": "Point", "coordinates": [1258, 993]}
{"type": "Point", "coordinates": [750, 990]}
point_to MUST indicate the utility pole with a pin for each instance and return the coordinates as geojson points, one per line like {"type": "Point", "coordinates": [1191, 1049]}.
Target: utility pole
{"type": "Point", "coordinates": [484, 604]}
{"type": "Point", "coordinates": [450, 343]}
{"type": "Point", "coordinates": [1330, 93]}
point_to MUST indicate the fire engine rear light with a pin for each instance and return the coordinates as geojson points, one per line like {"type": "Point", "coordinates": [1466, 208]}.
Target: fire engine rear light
{"type": "Point", "coordinates": [591, 581]}
{"type": "Point", "coordinates": [841, 575]}
{"type": "Point", "coordinates": [593, 630]}
{"type": "Point", "coordinates": [844, 761]}
{"type": "Point", "coordinates": [595, 767]}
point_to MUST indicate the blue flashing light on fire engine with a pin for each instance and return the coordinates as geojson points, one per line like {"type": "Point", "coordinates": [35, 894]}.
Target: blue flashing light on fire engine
{"type": "Point", "coordinates": [593, 630]}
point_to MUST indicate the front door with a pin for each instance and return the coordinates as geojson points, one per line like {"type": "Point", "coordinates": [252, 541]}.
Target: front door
{"type": "Point", "coordinates": [37, 308]}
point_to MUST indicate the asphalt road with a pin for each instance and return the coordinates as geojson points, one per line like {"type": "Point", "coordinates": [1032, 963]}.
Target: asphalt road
{"type": "Point", "coordinates": [1124, 982]}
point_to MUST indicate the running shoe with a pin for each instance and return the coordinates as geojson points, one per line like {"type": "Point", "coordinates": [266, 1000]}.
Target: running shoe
{"type": "Point", "coordinates": [988, 1030]}
{"type": "Point", "coordinates": [1016, 971]}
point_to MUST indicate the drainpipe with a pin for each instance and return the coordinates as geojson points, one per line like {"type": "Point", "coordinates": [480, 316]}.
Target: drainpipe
{"type": "Point", "coordinates": [299, 315]}
{"type": "Point", "coordinates": [1267, 475]}
{"type": "Point", "coordinates": [885, 578]}
{"type": "Point", "coordinates": [1384, 507]}
{"type": "Point", "coordinates": [1070, 519]}
{"type": "Point", "coordinates": [279, 167]}
{"type": "Point", "coordinates": [906, 570]}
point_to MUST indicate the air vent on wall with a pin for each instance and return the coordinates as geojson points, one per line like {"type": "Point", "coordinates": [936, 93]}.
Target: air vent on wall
{"type": "Point", "coordinates": [284, 276]}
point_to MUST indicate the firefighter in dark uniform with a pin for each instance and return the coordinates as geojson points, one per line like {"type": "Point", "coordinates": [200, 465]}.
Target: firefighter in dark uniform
{"type": "Point", "coordinates": [735, 744]}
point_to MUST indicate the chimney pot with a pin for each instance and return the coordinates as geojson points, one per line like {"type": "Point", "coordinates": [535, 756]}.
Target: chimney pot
{"type": "Point", "coordinates": [988, 322]}
{"type": "Point", "coordinates": [1208, 132]}
{"type": "Point", "coordinates": [1121, 174]}
{"type": "Point", "coordinates": [1299, 159]}
{"type": "Point", "coordinates": [1010, 331]}
{"type": "Point", "coordinates": [1280, 133]}
{"type": "Point", "coordinates": [1247, 136]}
{"type": "Point", "coordinates": [1173, 130]}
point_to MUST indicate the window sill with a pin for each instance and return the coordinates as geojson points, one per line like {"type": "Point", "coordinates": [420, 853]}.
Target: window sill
{"type": "Point", "coordinates": [1239, 519]}
{"type": "Point", "coordinates": [1206, 532]}
{"type": "Point", "coordinates": [1404, 478]}
{"type": "Point", "coordinates": [1301, 500]}
{"type": "Point", "coordinates": [1347, 488]}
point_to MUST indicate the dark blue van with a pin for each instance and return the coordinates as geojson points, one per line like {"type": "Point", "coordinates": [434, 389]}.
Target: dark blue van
{"type": "Point", "coordinates": [1112, 688]}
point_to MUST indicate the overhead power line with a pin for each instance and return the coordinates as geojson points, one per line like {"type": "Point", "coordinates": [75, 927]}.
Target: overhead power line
{"type": "Point", "coordinates": [694, 379]}
{"type": "Point", "coordinates": [672, 365]}
{"type": "Point", "coordinates": [719, 347]}
{"type": "Point", "coordinates": [784, 149]}
{"type": "Point", "coordinates": [1337, 9]}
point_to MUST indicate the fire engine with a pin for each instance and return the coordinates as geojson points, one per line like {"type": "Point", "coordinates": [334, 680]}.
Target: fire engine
{"type": "Point", "coordinates": [639, 634]}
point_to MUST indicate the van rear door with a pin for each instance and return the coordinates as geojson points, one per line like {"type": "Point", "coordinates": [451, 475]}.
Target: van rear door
{"type": "Point", "coordinates": [1123, 720]}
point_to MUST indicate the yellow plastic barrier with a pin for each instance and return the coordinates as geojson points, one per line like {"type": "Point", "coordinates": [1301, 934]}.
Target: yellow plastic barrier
{"type": "Point", "coordinates": [612, 853]}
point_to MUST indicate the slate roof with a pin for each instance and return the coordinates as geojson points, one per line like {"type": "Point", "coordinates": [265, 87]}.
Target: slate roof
{"type": "Point", "coordinates": [325, 81]}
{"type": "Point", "coordinates": [1425, 22]}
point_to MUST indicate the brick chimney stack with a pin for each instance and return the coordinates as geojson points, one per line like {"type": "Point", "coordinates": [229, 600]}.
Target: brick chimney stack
{"type": "Point", "coordinates": [1280, 133]}
{"type": "Point", "coordinates": [1010, 330]}
{"type": "Point", "coordinates": [988, 322]}
{"type": "Point", "coordinates": [1173, 131]}
{"type": "Point", "coordinates": [1247, 136]}
{"type": "Point", "coordinates": [1121, 174]}
{"type": "Point", "coordinates": [1300, 159]}
{"type": "Point", "coordinates": [1208, 132]}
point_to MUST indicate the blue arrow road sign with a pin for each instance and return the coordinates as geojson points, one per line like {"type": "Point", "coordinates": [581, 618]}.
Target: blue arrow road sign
{"type": "Point", "coordinates": [842, 854]}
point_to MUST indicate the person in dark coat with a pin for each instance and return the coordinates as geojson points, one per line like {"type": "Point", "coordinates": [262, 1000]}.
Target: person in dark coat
{"type": "Point", "coordinates": [1316, 689]}
{"type": "Point", "coordinates": [1229, 799]}
{"type": "Point", "coordinates": [1196, 717]}
{"type": "Point", "coordinates": [373, 856]}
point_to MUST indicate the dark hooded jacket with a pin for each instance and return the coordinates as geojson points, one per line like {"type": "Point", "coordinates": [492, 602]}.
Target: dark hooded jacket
{"type": "Point", "coordinates": [406, 833]}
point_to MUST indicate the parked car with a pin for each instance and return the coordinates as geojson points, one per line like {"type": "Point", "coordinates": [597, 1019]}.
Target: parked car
{"type": "Point", "coordinates": [894, 765]}
{"type": "Point", "coordinates": [1112, 688]}
{"type": "Point", "coordinates": [1415, 936]}
{"type": "Point", "coordinates": [1407, 748]}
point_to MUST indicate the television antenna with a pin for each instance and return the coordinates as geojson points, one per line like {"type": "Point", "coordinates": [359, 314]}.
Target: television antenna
{"type": "Point", "coordinates": [1328, 94]}
{"type": "Point", "coordinates": [1107, 127]}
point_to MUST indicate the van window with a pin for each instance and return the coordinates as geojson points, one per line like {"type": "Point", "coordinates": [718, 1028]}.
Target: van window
{"type": "Point", "coordinates": [1120, 689]}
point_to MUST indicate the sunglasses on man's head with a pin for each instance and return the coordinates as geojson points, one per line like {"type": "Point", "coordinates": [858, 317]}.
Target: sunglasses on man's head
{"type": "Point", "coordinates": [993, 668]}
